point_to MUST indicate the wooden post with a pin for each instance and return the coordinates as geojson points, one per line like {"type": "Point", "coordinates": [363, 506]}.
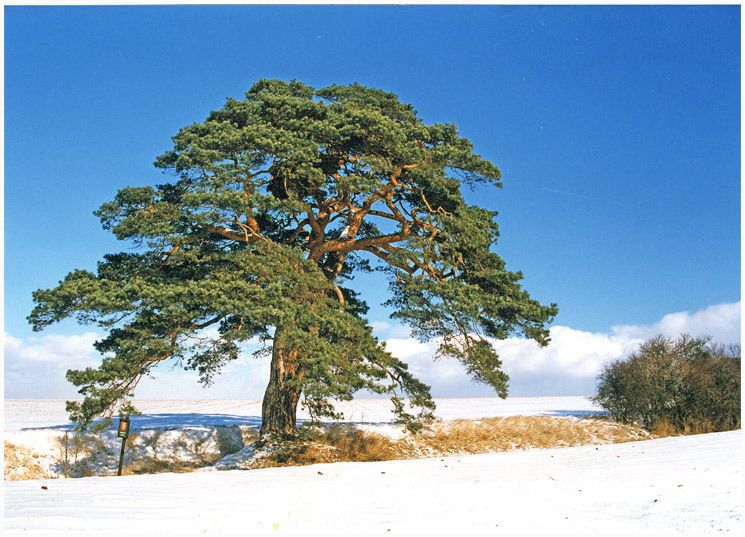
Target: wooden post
{"type": "Point", "coordinates": [121, 456]}
{"type": "Point", "coordinates": [123, 434]}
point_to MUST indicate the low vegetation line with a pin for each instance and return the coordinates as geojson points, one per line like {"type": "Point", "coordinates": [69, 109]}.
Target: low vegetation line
{"type": "Point", "coordinates": [348, 443]}
{"type": "Point", "coordinates": [155, 451]}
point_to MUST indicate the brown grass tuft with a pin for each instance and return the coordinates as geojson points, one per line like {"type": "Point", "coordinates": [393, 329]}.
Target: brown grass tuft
{"type": "Point", "coordinates": [21, 463]}
{"type": "Point", "coordinates": [334, 443]}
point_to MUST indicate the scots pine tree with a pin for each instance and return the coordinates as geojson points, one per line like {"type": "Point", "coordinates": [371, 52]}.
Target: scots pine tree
{"type": "Point", "coordinates": [276, 201]}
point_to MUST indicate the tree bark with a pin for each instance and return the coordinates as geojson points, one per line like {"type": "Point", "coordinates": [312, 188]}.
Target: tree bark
{"type": "Point", "coordinates": [279, 406]}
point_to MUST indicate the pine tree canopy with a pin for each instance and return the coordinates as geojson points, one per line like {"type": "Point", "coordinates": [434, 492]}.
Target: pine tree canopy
{"type": "Point", "coordinates": [276, 202]}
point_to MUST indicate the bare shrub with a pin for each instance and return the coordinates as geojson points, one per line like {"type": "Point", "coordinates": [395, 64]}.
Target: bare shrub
{"type": "Point", "coordinates": [82, 454]}
{"type": "Point", "coordinates": [685, 384]}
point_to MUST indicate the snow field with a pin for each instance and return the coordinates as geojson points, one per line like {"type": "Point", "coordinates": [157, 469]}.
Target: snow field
{"type": "Point", "coordinates": [681, 484]}
{"type": "Point", "coordinates": [673, 485]}
{"type": "Point", "coordinates": [28, 414]}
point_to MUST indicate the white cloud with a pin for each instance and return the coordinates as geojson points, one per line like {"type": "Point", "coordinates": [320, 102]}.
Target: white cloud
{"type": "Point", "coordinates": [721, 322]}
{"type": "Point", "coordinates": [571, 362]}
{"type": "Point", "coordinates": [35, 366]}
{"type": "Point", "coordinates": [51, 350]}
{"type": "Point", "coordinates": [573, 353]}
{"type": "Point", "coordinates": [420, 358]}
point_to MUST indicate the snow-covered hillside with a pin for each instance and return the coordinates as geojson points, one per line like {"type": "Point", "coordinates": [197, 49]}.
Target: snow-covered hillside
{"type": "Point", "coordinates": [684, 484]}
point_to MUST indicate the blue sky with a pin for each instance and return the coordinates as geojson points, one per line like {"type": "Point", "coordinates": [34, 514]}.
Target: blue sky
{"type": "Point", "coordinates": [617, 129]}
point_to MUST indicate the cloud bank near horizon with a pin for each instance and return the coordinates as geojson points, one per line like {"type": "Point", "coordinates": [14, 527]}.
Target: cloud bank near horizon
{"type": "Point", "coordinates": [35, 367]}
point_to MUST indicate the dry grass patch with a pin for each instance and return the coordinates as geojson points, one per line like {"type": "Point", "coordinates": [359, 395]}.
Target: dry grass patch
{"type": "Point", "coordinates": [519, 432]}
{"type": "Point", "coordinates": [334, 443]}
{"type": "Point", "coordinates": [21, 463]}
{"type": "Point", "coordinates": [344, 443]}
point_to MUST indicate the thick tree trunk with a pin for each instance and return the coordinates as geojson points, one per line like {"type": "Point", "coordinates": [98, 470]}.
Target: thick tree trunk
{"type": "Point", "coordinates": [279, 407]}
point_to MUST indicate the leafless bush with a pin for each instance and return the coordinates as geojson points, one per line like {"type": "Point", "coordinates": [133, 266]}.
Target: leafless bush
{"type": "Point", "coordinates": [687, 385]}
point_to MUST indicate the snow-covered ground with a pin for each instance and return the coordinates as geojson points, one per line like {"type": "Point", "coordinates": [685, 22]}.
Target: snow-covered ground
{"type": "Point", "coordinates": [27, 414]}
{"type": "Point", "coordinates": [685, 484]}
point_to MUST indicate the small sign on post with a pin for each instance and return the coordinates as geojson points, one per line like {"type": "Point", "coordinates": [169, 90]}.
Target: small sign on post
{"type": "Point", "coordinates": [123, 433]}
{"type": "Point", "coordinates": [123, 427]}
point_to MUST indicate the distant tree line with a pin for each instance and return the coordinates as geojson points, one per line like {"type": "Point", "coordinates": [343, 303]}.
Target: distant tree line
{"type": "Point", "coordinates": [688, 384]}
